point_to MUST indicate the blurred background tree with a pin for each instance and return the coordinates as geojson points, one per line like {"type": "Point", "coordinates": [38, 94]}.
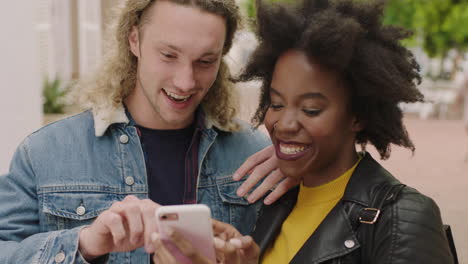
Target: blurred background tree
{"type": "Point", "coordinates": [249, 6]}
{"type": "Point", "coordinates": [440, 27]}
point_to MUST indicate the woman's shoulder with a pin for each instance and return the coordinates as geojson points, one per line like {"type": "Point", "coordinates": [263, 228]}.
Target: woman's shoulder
{"type": "Point", "coordinates": [411, 230]}
{"type": "Point", "coordinates": [412, 202]}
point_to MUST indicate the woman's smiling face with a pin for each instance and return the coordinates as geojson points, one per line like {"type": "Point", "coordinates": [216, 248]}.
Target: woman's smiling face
{"type": "Point", "coordinates": [309, 120]}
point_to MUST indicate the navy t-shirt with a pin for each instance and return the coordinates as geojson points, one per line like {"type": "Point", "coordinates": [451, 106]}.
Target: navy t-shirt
{"type": "Point", "coordinates": [165, 153]}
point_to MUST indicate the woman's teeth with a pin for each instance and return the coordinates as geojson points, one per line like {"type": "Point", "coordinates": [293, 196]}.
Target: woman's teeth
{"type": "Point", "coordinates": [290, 149]}
{"type": "Point", "coordinates": [177, 97]}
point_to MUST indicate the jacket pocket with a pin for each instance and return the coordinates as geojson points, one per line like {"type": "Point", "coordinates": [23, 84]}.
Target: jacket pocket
{"type": "Point", "coordinates": [237, 210]}
{"type": "Point", "coordinates": [227, 193]}
{"type": "Point", "coordinates": [66, 210]}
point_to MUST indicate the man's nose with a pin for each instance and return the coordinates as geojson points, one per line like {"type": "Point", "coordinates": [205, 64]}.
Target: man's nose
{"type": "Point", "coordinates": [184, 78]}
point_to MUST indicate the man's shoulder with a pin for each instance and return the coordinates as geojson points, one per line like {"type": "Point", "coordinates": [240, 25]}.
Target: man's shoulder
{"type": "Point", "coordinates": [73, 122]}
{"type": "Point", "coordinates": [240, 143]}
{"type": "Point", "coordinates": [76, 126]}
{"type": "Point", "coordinates": [246, 135]}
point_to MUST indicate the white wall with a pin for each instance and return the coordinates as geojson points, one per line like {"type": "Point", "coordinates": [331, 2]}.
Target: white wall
{"type": "Point", "coordinates": [90, 34]}
{"type": "Point", "coordinates": [20, 80]}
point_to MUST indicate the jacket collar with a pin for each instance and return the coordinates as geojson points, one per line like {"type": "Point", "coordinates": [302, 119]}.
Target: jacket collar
{"type": "Point", "coordinates": [328, 239]}
{"type": "Point", "coordinates": [333, 237]}
{"type": "Point", "coordinates": [368, 175]}
{"type": "Point", "coordinates": [268, 225]}
{"type": "Point", "coordinates": [105, 116]}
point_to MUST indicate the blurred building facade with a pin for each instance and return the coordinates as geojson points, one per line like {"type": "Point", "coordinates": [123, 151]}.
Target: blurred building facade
{"type": "Point", "coordinates": [53, 39]}
{"type": "Point", "coordinates": [20, 100]}
{"type": "Point", "coordinates": [71, 35]}
{"type": "Point", "coordinates": [44, 38]}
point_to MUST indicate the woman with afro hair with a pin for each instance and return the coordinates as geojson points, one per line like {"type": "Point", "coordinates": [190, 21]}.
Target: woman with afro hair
{"type": "Point", "coordinates": [333, 76]}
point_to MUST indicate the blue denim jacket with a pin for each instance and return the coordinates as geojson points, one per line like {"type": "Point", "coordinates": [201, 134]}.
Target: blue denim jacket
{"type": "Point", "coordinates": [65, 174]}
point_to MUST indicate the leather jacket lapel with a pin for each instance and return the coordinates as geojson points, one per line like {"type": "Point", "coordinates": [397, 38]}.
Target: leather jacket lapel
{"type": "Point", "coordinates": [328, 241]}
{"type": "Point", "coordinates": [334, 237]}
{"type": "Point", "coordinates": [271, 219]}
{"type": "Point", "coordinates": [368, 175]}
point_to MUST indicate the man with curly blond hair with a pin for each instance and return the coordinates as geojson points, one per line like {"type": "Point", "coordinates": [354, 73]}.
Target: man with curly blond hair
{"type": "Point", "coordinates": [159, 128]}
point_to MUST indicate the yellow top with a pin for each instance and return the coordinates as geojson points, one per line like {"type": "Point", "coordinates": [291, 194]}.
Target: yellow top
{"type": "Point", "coordinates": [313, 205]}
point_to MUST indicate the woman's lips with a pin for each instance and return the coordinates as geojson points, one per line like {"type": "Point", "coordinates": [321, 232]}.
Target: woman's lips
{"type": "Point", "coordinates": [290, 150]}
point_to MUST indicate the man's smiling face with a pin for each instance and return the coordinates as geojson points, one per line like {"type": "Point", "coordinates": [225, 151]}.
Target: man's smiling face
{"type": "Point", "coordinates": [179, 52]}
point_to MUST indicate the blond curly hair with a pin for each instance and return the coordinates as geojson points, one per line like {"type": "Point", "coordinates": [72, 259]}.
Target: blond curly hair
{"type": "Point", "coordinates": [116, 76]}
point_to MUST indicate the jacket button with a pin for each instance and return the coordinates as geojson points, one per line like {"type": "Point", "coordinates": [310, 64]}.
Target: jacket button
{"type": "Point", "coordinates": [129, 181]}
{"type": "Point", "coordinates": [81, 210]}
{"type": "Point", "coordinates": [123, 139]}
{"type": "Point", "coordinates": [60, 257]}
{"type": "Point", "coordinates": [349, 243]}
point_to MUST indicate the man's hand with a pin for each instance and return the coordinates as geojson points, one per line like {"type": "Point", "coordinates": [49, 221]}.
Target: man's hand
{"type": "Point", "coordinates": [125, 226]}
{"type": "Point", "coordinates": [260, 165]}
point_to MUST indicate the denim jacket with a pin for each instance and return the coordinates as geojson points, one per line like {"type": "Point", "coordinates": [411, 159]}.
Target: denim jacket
{"type": "Point", "coordinates": [65, 174]}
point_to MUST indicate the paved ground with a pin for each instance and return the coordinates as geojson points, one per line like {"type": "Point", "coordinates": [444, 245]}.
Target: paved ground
{"type": "Point", "coordinates": [437, 168]}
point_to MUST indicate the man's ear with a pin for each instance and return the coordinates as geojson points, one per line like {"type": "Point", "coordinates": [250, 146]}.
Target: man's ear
{"type": "Point", "coordinates": [134, 41]}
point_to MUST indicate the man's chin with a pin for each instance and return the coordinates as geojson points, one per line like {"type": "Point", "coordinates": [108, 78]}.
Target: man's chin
{"type": "Point", "coordinates": [178, 121]}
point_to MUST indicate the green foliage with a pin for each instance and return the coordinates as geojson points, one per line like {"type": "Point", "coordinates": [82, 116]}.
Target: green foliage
{"type": "Point", "coordinates": [249, 6]}
{"type": "Point", "coordinates": [440, 25]}
{"type": "Point", "coordinates": [53, 95]}
{"type": "Point", "coordinates": [457, 24]}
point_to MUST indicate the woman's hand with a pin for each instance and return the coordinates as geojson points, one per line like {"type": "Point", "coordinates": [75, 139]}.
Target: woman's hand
{"type": "Point", "coordinates": [183, 253]}
{"type": "Point", "coordinates": [240, 250]}
{"type": "Point", "coordinates": [230, 246]}
{"type": "Point", "coordinates": [263, 164]}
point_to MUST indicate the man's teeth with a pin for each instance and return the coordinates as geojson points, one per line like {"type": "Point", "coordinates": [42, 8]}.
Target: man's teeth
{"type": "Point", "coordinates": [176, 96]}
{"type": "Point", "coordinates": [291, 149]}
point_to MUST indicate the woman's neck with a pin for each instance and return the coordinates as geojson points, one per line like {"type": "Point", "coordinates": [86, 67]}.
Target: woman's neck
{"type": "Point", "coordinates": [329, 172]}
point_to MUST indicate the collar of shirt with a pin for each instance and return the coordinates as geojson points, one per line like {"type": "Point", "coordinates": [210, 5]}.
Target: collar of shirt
{"type": "Point", "coordinates": [105, 116]}
{"type": "Point", "coordinates": [191, 157]}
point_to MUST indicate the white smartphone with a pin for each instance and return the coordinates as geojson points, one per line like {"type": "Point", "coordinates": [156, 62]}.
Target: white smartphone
{"type": "Point", "coordinates": [193, 221]}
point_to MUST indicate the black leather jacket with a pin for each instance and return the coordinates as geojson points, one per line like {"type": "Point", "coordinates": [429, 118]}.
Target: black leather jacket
{"type": "Point", "coordinates": [409, 229]}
